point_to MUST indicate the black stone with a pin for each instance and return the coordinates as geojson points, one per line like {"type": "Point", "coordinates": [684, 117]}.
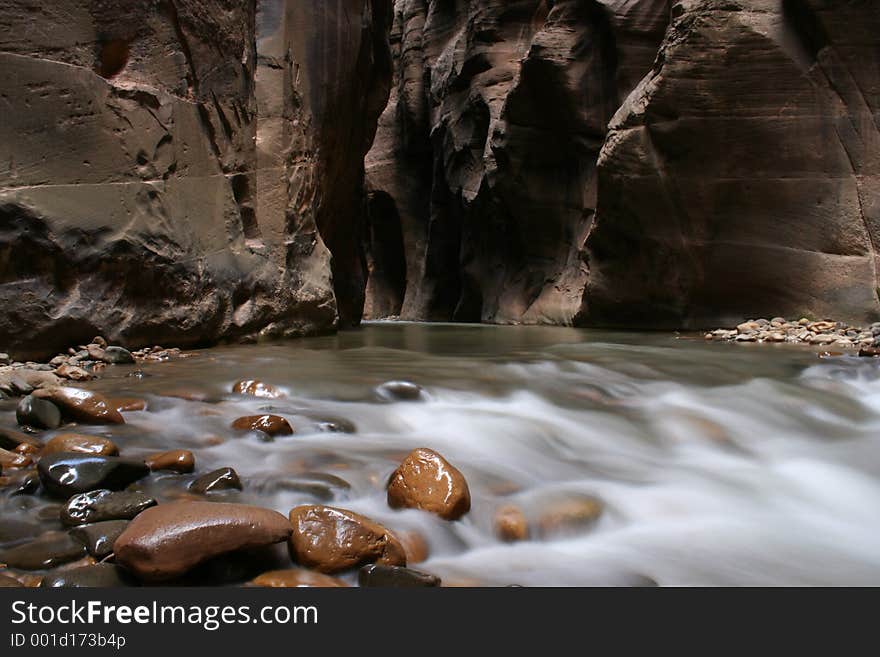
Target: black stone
{"type": "Point", "coordinates": [99, 537]}
{"type": "Point", "coordinates": [117, 356]}
{"type": "Point", "coordinates": [38, 413]}
{"type": "Point", "coordinates": [47, 551]}
{"type": "Point", "coordinates": [99, 576]}
{"type": "Point", "coordinates": [102, 505]}
{"type": "Point", "coordinates": [222, 479]}
{"type": "Point", "coordinates": [64, 474]}
{"type": "Point", "coordinates": [399, 391]}
{"type": "Point", "coordinates": [27, 485]}
{"type": "Point", "coordinates": [376, 575]}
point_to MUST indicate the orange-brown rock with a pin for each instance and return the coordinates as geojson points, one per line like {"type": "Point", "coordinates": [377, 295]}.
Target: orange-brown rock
{"type": "Point", "coordinates": [427, 481]}
{"type": "Point", "coordinates": [415, 546]}
{"type": "Point", "coordinates": [14, 460]}
{"type": "Point", "coordinates": [73, 373]}
{"type": "Point", "coordinates": [331, 540]}
{"type": "Point", "coordinates": [570, 516]}
{"type": "Point", "coordinates": [272, 425]}
{"type": "Point", "coordinates": [129, 404]}
{"type": "Point", "coordinates": [82, 405]}
{"type": "Point", "coordinates": [81, 444]}
{"type": "Point", "coordinates": [257, 389]}
{"type": "Point", "coordinates": [296, 578]}
{"type": "Point", "coordinates": [180, 460]}
{"type": "Point", "coordinates": [511, 524]}
{"type": "Point", "coordinates": [168, 540]}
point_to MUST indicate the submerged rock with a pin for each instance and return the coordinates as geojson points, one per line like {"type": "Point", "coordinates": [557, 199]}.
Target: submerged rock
{"type": "Point", "coordinates": [218, 480]}
{"type": "Point", "coordinates": [7, 582]}
{"type": "Point", "coordinates": [102, 505]}
{"type": "Point", "coordinates": [427, 481]}
{"type": "Point", "coordinates": [169, 540]}
{"type": "Point", "coordinates": [399, 391]}
{"type": "Point", "coordinates": [376, 575]}
{"type": "Point", "coordinates": [511, 524]}
{"type": "Point", "coordinates": [67, 474]}
{"type": "Point", "coordinates": [98, 576]}
{"type": "Point", "coordinates": [296, 578]}
{"type": "Point", "coordinates": [47, 551]}
{"type": "Point", "coordinates": [257, 389]}
{"type": "Point", "coordinates": [331, 540]}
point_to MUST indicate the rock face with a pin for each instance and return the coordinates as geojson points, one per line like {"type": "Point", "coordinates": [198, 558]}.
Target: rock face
{"type": "Point", "coordinates": [657, 163]}
{"type": "Point", "coordinates": [174, 171]}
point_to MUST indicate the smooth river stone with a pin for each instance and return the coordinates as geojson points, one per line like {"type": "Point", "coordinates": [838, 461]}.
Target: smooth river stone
{"type": "Point", "coordinates": [99, 537]}
{"type": "Point", "coordinates": [169, 540]}
{"type": "Point", "coordinates": [180, 461]}
{"type": "Point", "coordinates": [331, 540]}
{"type": "Point", "coordinates": [568, 517]}
{"type": "Point", "coordinates": [80, 444]}
{"type": "Point", "coordinates": [98, 576]}
{"type": "Point", "coordinates": [66, 474]}
{"type": "Point", "coordinates": [47, 551]}
{"type": "Point", "coordinates": [14, 460]}
{"type": "Point", "coordinates": [14, 440]}
{"type": "Point", "coordinates": [216, 481]}
{"type": "Point", "coordinates": [38, 413]}
{"type": "Point", "coordinates": [379, 576]}
{"type": "Point", "coordinates": [117, 356]}
{"type": "Point", "coordinates": [399, 391]}
{"type": "Point", "coordinates": [511, 524]}
{"type": "Point", "coordinates": [7, 582]}
{"type": "Point", "coordinates": [297, 578]}
{"type": "Point", "coordinates": [128, 404]}
{"type": "Point", "coordinates": [102, 505]}
{"type": "Point", "coordinates": [257, 389]}
{"type": "Point", "coordinates": [272, 425]}
{"type": "Point", "coordinates": [81, 405]}
{"type": "Point", "coordinates": [427, 481]}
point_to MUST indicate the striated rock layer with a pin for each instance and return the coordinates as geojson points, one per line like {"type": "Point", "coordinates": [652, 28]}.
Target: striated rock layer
{"type": "Point", "coordinates": [628, 162]}
{"type": "Point", "coordinates": [175, 170]}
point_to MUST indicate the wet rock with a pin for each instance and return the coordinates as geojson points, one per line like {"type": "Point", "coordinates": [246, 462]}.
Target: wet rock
{"type": "Point", "coordinates": [511, 524]}
{"type": "Point", "coordinates": [218, 480]}
{"type": "Point", "coordinates": [16, 531]}
{"type": "Point", "coordinates": [66, 474]}
{"type": "Point", "coordinates": [98, 576]}
{"type": "Point", "coordinates": [99, 537]}
{"type": "Point", "coordinates": [117, 356]}
{"type": "Point", "coordinates": [47, 551]}
{"type": "Point", "coordinates": [379, 576]}
{"type": "Point", "coordinates": [336, 425]}
{"type": "Point", "coordinates": [257, 389]}
{"type": "Point", "coordinates": [427, 481]}
{"type": "Point", "coordinates": [7, 582]}
{"type": "Point", "coordinates": [869, 352]}
{"type": "Point", "coordinates": [296, 578]}
{"type": "Point", "coordinates": [569, 516]}
{"type": "Point", "coordinates": [180, 461]}
{"type": "Point", "coordinates": [80, 444]}
{"type": "Point", "coordinates": [415, 546]}
{"type": "Point", "coordinates": [167, 541]}
{"type": "Point", "coordinates": [13, 440]}
{"type": "Point", "coordinates": [399, 391]}
{"type": "Point", "coordinates": [27, 484]}
{"type": "Point", "coordinates": [14, 460]}
{"type": "Point", "coordinates": [128, 404]}
{"type": "Point", "coordinates": [331, 540]}
{"type": "Point", "coordinates": [74, 373]}
{"type": "Point", "coordinates": [82, 405]}
{"type": "Point", "coordinates": [38, 413]}
{"type": "Point", "coordinates": [103, 505]}
{"type": "Point", "coordinates": [271, 425]}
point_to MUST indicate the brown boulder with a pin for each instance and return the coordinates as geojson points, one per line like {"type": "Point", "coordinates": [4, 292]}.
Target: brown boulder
{"type": "Point", "coordinates": [332, 540]}
{"type": "Point", "coordinates": [427, 481]}
{"type": "Point", "coordinates": [272, 425]}
{"type": "Point", "coordinates": [80, 443]}
{"type": "Point", "coordinates": [180, 460]}
{"type": "Point", "coordinates": [168, 540]}
{"type": "Point", "coordinates": [257, 389]}
{"type": "Point", "coordinates": [82, 405]}
{"type": "Point", "coordinates": [296, 578]}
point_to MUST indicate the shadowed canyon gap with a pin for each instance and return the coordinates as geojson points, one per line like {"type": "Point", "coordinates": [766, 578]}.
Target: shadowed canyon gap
{"type": "Point", "coordinates": [182, 171]}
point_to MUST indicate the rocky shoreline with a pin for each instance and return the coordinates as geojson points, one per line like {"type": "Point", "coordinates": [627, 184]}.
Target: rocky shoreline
{"type": "Point", "coordinates": [825, 333]}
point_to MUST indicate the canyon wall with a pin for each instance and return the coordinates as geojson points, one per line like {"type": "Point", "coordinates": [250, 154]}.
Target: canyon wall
{"type": "Point", "coordinates": [628, 162]}
{"type": "Point", "coordinates": [180, 170]}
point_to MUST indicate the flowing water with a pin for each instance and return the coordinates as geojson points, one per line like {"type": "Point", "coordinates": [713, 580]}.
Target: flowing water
{"type": "Point", "coordinates": [716, 464]}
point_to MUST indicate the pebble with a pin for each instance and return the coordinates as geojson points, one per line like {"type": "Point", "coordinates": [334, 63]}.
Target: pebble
{"type": "Point", "coordinates": [393, 391]}
{"type": "Point", "coordinates": [272, 425]}
{"type": "Point", "coordinates": [180, 461]}
{"type": "Point", "coordinates": [48, 551]}
{"type": "Point", "coordinates": [169, 540]}
{"type": "Point", "coordinates": [66, 474]}
{"type": "Point", "coordinates": [74, 373]}
{"type": "Point", "coordinates": [82, 405]}
{"type": "Point", "coordinates": [779, 330]}
{"type": "Point", "coordinates": [296, 578]}
{"type": "Point", "coordinates": [14, 460]}
{"type": "Point", "coordinates": [427, 481]}
{"type": "Point", "coordinates": [81, 444]}
{"type": "Point", "coordinates": [511, 524]}
{"type": "Point", "coordinates": [569, 516]}
{"type": "Point", "coordinates": [7, 582]}
{"type": "Point", "coordinates": [38, 413]}
{"type": "Point", "coordinates": [98, 576]}
{"type": "Point", "coordinates": [215, 481]}
{"type": "Point", "coordinates": [379, 576]}
{"type": "Point", "coordinates": [104, 505]}
{"type": "Point", "coordinates": [117, 356]}
{"type": "Point", "coordinates": [257, 389]}
{"type": "Point", "coordinates": [98, 538]}
{"type": "Point", "coordinates": [332, 540]}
